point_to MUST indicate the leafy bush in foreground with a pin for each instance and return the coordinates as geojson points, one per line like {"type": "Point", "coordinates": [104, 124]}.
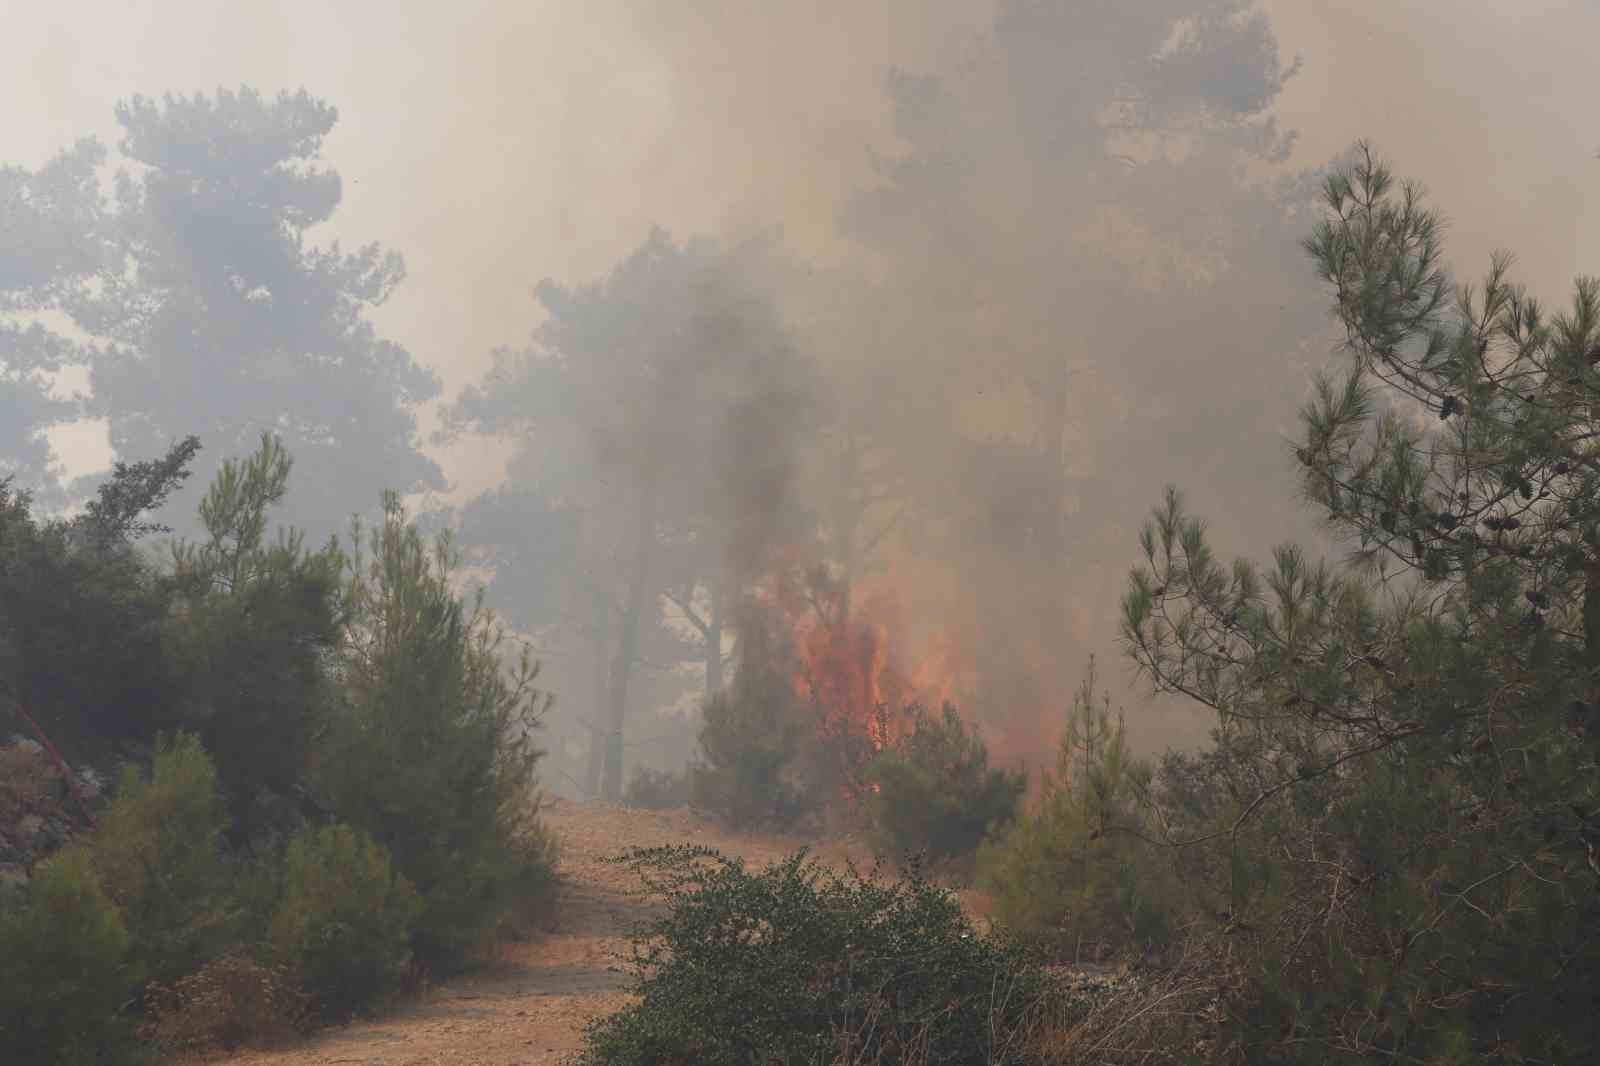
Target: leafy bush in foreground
{"type": "Point", "coordinates": [1075, 875]}
{"type": "Point", "coordinates": [159, 853]}
{"type": "Point", "coordinates": [64, 971]}
{"type": "Point", "coordinates": [430, 749]}
{"type": "Point", "coordinates": [344, 925]}
{"type": "Point", "coordinates": [936, 794]}
{"type": "Point", "coordinates": [799, 964]}
{"type": "Point", "coordinates": [1401, 804]}
{"type": "Point", "coordinates": [251, 625]}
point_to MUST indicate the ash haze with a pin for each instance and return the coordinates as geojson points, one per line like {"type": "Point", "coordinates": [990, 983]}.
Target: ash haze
{"type": "Point", "coordinates": [1026, 263]}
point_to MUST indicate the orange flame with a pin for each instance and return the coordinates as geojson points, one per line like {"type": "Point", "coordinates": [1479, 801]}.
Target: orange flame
{"type": "Point", "coordinates": [849, 668]}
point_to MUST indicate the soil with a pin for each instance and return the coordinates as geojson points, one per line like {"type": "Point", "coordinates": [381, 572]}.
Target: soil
{"type": "Point", "coordinates": [531, 1006]}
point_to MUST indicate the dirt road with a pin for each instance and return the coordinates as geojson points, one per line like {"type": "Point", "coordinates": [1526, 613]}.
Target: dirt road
{"type": "Point", "coordinates": [530, 1009]}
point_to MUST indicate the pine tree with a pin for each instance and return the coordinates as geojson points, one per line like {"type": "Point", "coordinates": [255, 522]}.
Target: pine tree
{"type": "Point", "coordinates": [1409, 814]}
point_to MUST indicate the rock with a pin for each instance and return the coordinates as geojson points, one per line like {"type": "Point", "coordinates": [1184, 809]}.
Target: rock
{"type": "Point", "coordinates": [90, 783]}
{"type": "Point", "coordinates": [29, 826]}
{"type": "Point", "coordinates": [57, 833]}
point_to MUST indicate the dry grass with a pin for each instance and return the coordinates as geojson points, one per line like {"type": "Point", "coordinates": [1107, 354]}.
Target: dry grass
{"type": "Point", "coordinates": [1118, 1017]}
{"type": "Point", "coordinates": [852, 1037]}
{"type": "Point", "coordinates": [1167, 1014]}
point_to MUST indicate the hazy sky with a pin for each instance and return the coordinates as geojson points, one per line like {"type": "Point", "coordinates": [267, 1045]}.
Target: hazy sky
{"type": "Point", "coordinates": [498, 143]}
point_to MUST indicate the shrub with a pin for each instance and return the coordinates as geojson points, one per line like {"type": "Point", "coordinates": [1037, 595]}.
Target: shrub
{"type": "Point", "coordinates": [529, 880]}
{"type": "Point", "coordinates": [257, 888]}
{"type": "Point", "coordinates": [798, 964]}
{"type": "Point", "coordinates": [749, 742]}
{"type": "Point", "coordinates": [343, 926]}
{"type": "Point", "coordinates": [158, 851]}
{"type": "Point", "coordinates": [232, 1001]}
{"type": "Point", "coordinates": [936, 795]}
{"type": "Point", "coordinates": [430, 747]}
{"type": "Point", "coordinates": [657, 789]}
{"type": "Point", "coordinates": [80, 617]}
{"type": "Point", "coordinates": [1147, 1015]}
{"type": "Point", "coordinates": [1076, 873]}
{"type": "Point", "coordinates": [251, 626]}
{"type": "Point", "coordinates": [64, 971]}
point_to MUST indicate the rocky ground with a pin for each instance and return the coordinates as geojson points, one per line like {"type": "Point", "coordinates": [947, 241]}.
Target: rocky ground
{"type": "Point", "coordinates": [38, 813]}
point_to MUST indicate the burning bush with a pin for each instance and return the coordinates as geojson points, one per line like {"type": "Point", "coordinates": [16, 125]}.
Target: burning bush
{"type": "Point", "coordinates": [934, 793]}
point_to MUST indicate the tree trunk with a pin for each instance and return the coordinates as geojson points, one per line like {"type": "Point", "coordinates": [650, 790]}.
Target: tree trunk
{"type": "Point", "coordinates": [627, 649]}
{"type": "Point", "coordinates": [1591, 643]}
{"type": "Point", "coordinates": [597, 741]}
{"type": "Point", "coordinates": [714, 643]}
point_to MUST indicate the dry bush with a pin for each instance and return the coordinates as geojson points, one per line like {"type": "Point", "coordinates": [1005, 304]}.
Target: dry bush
{"type": "Point", "coordinates": [230, 1002]}
{"type": "Point", "coordinates": [1164, 1014]}
{"type": "Point", "coordinates": [1013, 1030]}
{"type": "Point", "coordinates": [417, 982]}
{"type": "Point", "coordinates": [657, 790]}
{"type": "Point", "coordinates": [27, 782]}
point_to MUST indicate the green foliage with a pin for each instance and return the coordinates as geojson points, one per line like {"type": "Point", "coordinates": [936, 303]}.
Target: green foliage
{"type": "Point", "coordinates": [158, 851]}
{"type": "Point", "coordinates": [250, 629]}
{"type": "Point", "coordinates": [657, 789]}
{"type": "Point", "coordinates": [430, 749]}
{"type": "Point", "coordinates": [80, 621]}
{"type": "Point", "coordinates": [936, 795]}
{"type": "Point", "coordinates": [528, 879]}
{"type": "Point", "coordinates": [343, 925]}
{"type": "Point", "coordinates": [257, 883]}
{"type": "Point", "coordinates": [1398, 818]}
{"type": "Point", "coordinates": [64, 973]}
{"type": "Point", "coordinates": [1077, 873]}
{"type": "Point", "coordinates": [750, 740]}
{"type": "Point", "coordinates": [797, 964]}
{"type": "Point", "coordinates": [115, 515]}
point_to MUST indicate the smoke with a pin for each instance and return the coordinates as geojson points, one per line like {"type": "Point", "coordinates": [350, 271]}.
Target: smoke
{"type": "Point", "coordinates": [1047, 258]}
{"type": "Point", "coordinates": [1045, 263]}
{"type": "Point", "coordinates": [1030, 321]}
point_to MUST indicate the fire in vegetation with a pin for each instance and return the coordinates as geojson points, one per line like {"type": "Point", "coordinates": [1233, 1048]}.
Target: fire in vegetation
{"type": "Point", "coordinates": [851, 673]}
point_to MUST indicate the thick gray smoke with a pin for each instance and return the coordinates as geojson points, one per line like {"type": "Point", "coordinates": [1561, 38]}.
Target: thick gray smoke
{"type": "Point", "coordinates": [1078, 258]}
{"type": "Point", "coordinates": [947, 291]}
